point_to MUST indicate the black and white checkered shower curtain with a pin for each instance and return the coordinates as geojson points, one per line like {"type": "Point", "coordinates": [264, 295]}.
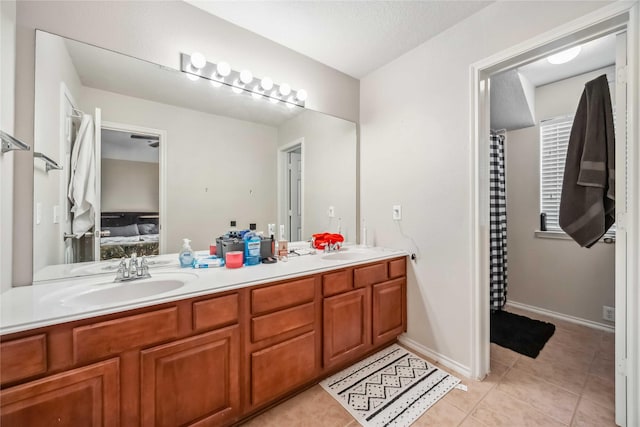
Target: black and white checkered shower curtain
{"type": "Point", "coordinates": [498, 222]}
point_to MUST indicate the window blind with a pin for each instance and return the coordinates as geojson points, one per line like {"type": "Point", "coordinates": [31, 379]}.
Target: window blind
{"type": "Point", "coordinates": [554, 140]}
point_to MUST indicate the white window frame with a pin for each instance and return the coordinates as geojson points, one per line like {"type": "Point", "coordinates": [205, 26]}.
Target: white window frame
{"type": "Point", "coordinates": [553, 142]}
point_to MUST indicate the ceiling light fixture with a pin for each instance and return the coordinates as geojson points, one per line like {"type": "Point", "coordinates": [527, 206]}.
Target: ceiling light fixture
{"type": "Point", "coordinates": [564, 56]}
{"type": "Point", "coordinates": [195, 66]}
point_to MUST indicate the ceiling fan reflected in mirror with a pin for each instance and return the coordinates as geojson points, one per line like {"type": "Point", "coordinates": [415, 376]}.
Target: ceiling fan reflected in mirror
{"type": "Point", "coordinates": [152, 140]}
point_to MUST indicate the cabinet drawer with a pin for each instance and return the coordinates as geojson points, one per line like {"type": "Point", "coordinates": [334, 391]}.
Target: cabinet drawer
{"type": "Point", "coordinates": [23, 358]}
{"type": "Point", "coordinates": [281, 296]}
{"type": "Point", "coordinates": [118, 335]}
{"type": "Point", "coordinates": [338, 282]}
{"type": "Point", "coordinates": [281, 368]}
{"type": "Point", "coordinates": [280, 322]}
{"type": "Point", "coordinates": [397, 268]}
{"type": "Point", "coordinates": [365, 276]}
{"type": "Point", "coordinates": [215, 312]}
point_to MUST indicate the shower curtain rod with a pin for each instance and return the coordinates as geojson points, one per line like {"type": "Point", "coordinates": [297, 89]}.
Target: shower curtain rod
{"type": "Point", "coordinates": [498, 131]}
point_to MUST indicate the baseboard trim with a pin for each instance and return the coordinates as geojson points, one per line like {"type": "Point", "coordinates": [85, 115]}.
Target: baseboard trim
{"type": "Point", "coordinates": [561, 316]}
{"type": "Point", "coordinates": [435, 356]}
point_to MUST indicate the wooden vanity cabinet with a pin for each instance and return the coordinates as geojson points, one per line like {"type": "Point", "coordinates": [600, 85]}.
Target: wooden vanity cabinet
{"type": "Point", "coordinates": [208, 361]}
{"type": "Point", "coordinates": [364, 308]}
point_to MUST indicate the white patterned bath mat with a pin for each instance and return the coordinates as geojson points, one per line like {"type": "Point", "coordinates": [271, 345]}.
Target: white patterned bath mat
{"type": "Point", "coordinates": [394, 387]}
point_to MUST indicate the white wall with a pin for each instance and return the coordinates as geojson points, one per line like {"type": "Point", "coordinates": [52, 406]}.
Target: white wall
{"type": "Point", "coordinates": [415, 136]}
{"type": "Point", "coordinates": [7, 88]}
{"type": "Point", "coordinates": [553, 274]}
{"type": "Point", "coordinates": [128, 186]}
{"type": "Point", "coordinates": [219, 169]}
{"type": "Point", "coordinates": [329, 155]}
{"type": "Point", "coordinates": [157, 32]}
{"type": "Point", "coordinates": [47, 131]}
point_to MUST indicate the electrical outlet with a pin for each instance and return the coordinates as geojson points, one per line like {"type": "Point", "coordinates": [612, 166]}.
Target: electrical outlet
{"type": "Point", "coordinates": [609, 313]}
{"type": "Point", "coordinates": [397, 212]}
{"type": "Point", "coordinates": [332, 212]}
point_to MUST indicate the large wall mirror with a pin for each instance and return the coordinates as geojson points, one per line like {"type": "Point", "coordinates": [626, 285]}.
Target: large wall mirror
{"type": "Point", "coordinates": [135, 156]}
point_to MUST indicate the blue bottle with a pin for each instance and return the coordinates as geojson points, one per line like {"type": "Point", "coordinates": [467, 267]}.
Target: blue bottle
{"type": "Point", "coordinates": [251, 248]}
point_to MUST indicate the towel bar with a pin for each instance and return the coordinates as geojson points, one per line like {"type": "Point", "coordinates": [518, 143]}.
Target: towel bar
{"type": "Point", "coordinates": [50, 163]}
{"type": "Point", "coordinates": [11, 143]}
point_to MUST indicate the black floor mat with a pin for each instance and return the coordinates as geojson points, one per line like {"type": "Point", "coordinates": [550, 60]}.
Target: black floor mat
{"type": "Point", "coordinates": [519, 333]}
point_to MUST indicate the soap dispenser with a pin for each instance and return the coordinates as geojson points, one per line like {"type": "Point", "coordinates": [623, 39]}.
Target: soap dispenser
{"type": "Point", "coordinates": [186, 254]}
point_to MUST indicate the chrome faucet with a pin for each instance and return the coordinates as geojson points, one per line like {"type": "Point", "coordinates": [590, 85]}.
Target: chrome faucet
{"type": "Point", "coordinates": [332, 247]}
{"type": "Point", "coordinates": [136, 268]}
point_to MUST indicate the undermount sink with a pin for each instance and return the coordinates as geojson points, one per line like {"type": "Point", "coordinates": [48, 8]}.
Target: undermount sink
{"type": "Point", "coordinates": [342, 256]}
{"type": "Point", "coordinates": [103, 294]}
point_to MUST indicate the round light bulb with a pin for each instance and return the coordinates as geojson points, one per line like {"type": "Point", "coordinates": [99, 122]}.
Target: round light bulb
{"type": "Point", "coordinates": [285, 89]}
{"type": "Point", "coordinates": [198, 60]}
{"type": "Point", "coordinates": [223, 69]}
{"type": "Point", "coordinates": [246, 76]}
{"type": "Point", "coordinates": [301, 95]}
{"type": "Point", "coordinates": [215, 82]}
{"type": "Point", "coordinates": [266, 83]}
{"type": "Point", "coordinates": [564, 56]}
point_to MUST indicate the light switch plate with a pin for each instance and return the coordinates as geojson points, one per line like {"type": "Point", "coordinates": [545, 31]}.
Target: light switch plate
{"type": "Point", "coordinates": [332, 212]}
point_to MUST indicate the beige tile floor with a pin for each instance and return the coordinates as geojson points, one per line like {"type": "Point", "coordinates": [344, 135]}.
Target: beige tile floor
{"type": "Point", "coordinates": [571, 383]}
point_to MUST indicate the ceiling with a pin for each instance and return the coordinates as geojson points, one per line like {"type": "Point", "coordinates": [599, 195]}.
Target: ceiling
{"type": "Point", "coordinates": [355, 37]}
{"type": "Point", "coordinates": [596, 54]}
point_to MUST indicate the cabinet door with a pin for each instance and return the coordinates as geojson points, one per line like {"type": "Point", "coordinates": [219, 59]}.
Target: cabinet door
{"type": "Point", "coordinates": [88, 396]}
{"type": "Point", "coordinates": [192, 380]}
{"type": "Point", "coordinates": [347, 326]}
{"type": "Point", "coordinates": [389, 308]}
{"type": "Point", "coordinates": [281, 368]}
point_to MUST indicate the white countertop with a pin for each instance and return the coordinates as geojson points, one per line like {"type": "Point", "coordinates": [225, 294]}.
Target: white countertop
{"type": "Point", "coordinates": [48, 303]}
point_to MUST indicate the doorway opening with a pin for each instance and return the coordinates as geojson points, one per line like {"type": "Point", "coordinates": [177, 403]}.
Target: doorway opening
{"type": "Point", "coordinates": [131, 185]}
{"type": "Point", "coordinates": [291, 190]}
{"type": "Point", "coordinates": [611, 20]}
{"type": "Point", "coordinates": [542, 273]}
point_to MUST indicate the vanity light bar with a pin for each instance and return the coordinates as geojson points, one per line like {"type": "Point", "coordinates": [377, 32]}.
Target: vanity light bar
{"type": "Point", "coordinates": [196, 66]}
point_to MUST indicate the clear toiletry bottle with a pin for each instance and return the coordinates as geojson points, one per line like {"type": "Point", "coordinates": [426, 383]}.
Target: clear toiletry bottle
{"type": "Point", "coordinates": [233, 230]}
{"type": "Point", "coordinates": [186, 254]}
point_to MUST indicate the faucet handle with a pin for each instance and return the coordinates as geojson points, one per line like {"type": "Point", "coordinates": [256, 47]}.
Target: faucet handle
{"type": "Point", "coordinates": [144, 267]}
{"type": "Point", "coordinates": [122, 272]}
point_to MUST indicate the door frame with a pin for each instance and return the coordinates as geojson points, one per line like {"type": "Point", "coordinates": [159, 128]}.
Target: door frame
{"type": "Point", "coordinates": [611, 18]}
{"type": "Point", "coordinates": [162, 164]}
{"type": "Point", "coordinates": [283, 151]}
